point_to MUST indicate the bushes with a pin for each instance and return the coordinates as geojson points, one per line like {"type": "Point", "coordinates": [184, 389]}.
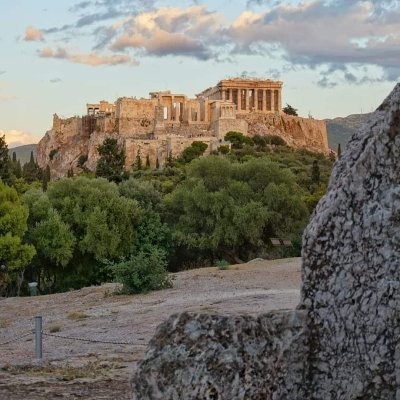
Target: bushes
{"type": "Point", "coordinates": [143, 272]}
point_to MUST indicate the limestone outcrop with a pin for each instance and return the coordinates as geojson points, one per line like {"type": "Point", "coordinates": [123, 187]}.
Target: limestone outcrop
{"type": "Point", "coordinates": [343, 341]}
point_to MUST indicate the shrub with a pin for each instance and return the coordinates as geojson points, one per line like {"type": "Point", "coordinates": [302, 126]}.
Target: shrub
{"type": "Point", "coordinates": [81, 160]}
{"type": "Point", "coordinates": [275, 140]}
{"type": "Point", "coordinates": [223, 149]}
{"type": "Point", "coordinates": [143, 272]}
{"type": "Point", "coordinates": [222, 265]}
{"type": "Point", "coordinates": [53, 153]}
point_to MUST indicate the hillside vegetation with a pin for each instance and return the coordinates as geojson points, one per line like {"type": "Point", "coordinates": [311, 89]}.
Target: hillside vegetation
{"type": "Point", "coordinates": [135, 226]}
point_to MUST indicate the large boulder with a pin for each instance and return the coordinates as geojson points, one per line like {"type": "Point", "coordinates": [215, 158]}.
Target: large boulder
{"type": "Point", "coordinates": [351, 268]}
{"type": "Point", "coordinates": [343, 342]}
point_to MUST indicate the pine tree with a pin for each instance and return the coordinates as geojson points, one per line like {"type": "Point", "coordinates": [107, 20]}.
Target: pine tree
{"type": "Point", "coordinates": [5, 165]}
{"type": "Point", "coordinates": [30, 170]}
{"type": "Point", "coordinates": [315, 173]}
{"type": "Point", "coordinates": [46, 178]}
{"type": "Point", "coordinates": [157, 164]}
{"type": "Point", "coordinates": [339, 150]}
{"type": "Point", "coordinates": [147, 161]}
{"type": "Point", "coordinates": [138, 161]}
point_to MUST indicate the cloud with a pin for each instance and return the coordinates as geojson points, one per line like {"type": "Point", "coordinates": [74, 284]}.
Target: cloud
{"type": "Point", "coordinates": [2, 72]}
{"type": "Point", "coordinates": [16, 137]}
{"type": "Point", "coordinates": [33, 34]}
{"type": "Point", "coordinates": [56, 80]}
{"type": "Point", "coordinates": [91, 59]}
{"type": "Point", "coordinates": [188, 32]}
{"type": "Point", "coordinates": [319, 32]}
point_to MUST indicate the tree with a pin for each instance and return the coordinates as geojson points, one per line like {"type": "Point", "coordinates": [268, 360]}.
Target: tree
{"type": "Point", "coordinates": [147, 161]}
{"type": "Point", "coordinates": [5, 165]}
{"type": "Point", "coordinates": [111, 162]}
{"type": "Point", "coordinates": [138, 161]}
{"type": "Point", "coordinates": [195, 150]}
{"type": "Point", "coordinates": [16, 166]}
{"type": "Point", "coordinates": [339, 150]}
{"type": "Point", "coordinates": [157, 163]}
{"type": "Point", "coordinates": [315, 173]}
{"type": "Point", "coordinates": [229, 211]}
{"type": "Point", "coordinates": [14, 254]}
{"type": "Point", "coordinates": [31, 170]}
{"type": "Point", "coordinates": [289, 110]}
{"type": "Point", "coordinates": [76, 225]}
{"type": "Point", "coordinates": [238, 140]}
{"type": "Point", "coordinates": [46, 178]}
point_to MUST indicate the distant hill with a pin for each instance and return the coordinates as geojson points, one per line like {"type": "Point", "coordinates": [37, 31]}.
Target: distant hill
{"type": "Point", "coordinates": [341, 129]}
{"type": "Point", "coordinates": [23, 152]}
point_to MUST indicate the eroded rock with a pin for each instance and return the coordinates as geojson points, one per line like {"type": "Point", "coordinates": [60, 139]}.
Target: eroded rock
{"type": "Point", "coordinates": [214, 357]}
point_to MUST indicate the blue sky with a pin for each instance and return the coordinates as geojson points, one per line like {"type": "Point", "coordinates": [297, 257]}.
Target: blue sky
{"type": "Point", "coordinates": [335, 57]}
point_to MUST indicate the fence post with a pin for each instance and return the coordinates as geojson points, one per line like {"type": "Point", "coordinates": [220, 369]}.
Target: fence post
{"type": "Point", "coordinates": [38, 337]}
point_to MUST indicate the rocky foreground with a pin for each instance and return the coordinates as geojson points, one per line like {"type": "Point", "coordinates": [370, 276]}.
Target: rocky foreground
{"type": "Point", "coordinates": [74, 369]}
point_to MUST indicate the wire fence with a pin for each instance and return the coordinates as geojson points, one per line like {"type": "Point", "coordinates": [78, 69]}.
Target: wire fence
{"type": "Point", "coordinates": [38, 334]}
{"type": "Point", "coordinates": [15, 339]}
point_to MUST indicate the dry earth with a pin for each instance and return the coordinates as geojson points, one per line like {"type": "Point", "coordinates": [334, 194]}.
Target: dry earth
{"type": "Point", "coordinates": [73, 369]}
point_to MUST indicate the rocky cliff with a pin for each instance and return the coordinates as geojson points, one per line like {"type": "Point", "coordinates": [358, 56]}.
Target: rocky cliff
{"type": "Point", "coordinates": [62, 146]}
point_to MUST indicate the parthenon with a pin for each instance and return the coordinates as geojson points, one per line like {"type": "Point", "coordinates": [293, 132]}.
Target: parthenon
{"type": "Point", "coordinates": [248, 94]}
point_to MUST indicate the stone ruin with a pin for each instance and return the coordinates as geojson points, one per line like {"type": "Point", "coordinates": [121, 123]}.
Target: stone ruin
{"type": "Point", "coordinates": [343, 341]}
{"type": "Point", "coordinates": [166, 123]}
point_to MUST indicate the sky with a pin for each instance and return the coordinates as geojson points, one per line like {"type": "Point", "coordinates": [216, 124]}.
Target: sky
{"type": "Point", "coordinates": [335, 57]}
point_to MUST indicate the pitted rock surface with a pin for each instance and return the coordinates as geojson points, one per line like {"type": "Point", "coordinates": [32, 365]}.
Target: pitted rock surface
{"type": "Point", "coordinates": [214, 357]}
{"type": "Point", "coordinates": [343, 342]}
{"type": "Point", "coordinates": [351, 268]}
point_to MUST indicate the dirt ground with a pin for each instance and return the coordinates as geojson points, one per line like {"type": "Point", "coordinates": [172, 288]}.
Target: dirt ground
{"type": "Point", "coordinates": [77, 369]}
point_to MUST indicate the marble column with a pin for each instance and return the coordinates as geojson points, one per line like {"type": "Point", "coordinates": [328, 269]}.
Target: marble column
{"type": "Point", "coordinates": [239, 99]}
{"type": "Point", "coordinates": [247, 106]}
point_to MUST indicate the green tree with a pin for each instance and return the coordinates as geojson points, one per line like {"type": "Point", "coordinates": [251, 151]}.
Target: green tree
{"type": "Point", "coordinates": [16, 166]}
{"type": "Point", "coordinates": [14, 254]}
{"type": "Point", "coordinates": [31, 170]}
{"type": "Point", "coordinates": [5, 165]}
{"type": "Point", "coordinates": [147, 161]}
{"type": "Point", "coordinates": [289, 110]}
{"type": "Point", "coordinates": [138, 161]}
{"type": "Point", "coordinates": [195, 150]}
{"type": "Point", "coordinates": [94, 223]}
{"type": "Point", "coordinates": [229, 211]}
{"type": "Point", "coordinates": [46, 178]}
{"type": "Point", "coordinates": [111, 162]}
{"type": "Point", "coordinates": [339, 150]}
{"type": "Point", "coordinates": [315, 173]}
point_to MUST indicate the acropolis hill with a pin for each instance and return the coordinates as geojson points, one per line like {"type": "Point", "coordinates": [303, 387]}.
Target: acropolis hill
{"type": "Point", "coordinates": [166, 123]}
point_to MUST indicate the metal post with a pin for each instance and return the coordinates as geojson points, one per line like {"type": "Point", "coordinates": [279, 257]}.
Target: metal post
{"type": "Point", "coordinates": [38, 337]}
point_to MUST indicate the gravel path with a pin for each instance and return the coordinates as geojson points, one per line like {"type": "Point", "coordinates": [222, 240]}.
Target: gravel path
{"type": "Point", "coordinates": [78, 369]}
